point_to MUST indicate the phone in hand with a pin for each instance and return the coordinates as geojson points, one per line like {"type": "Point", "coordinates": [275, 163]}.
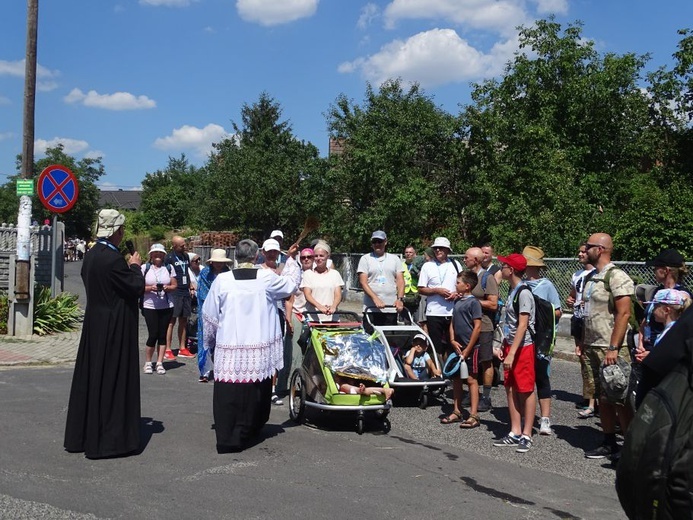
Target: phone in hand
{"type": "Point", "coordinates": [130, 246]}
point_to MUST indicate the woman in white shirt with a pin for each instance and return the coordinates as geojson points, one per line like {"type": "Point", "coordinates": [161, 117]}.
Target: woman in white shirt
{"type": "Point", "coordinates": [322, 286]}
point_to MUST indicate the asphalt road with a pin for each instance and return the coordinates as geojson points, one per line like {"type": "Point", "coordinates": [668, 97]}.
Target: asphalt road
{"type": "Point", "coordinates": [420, 469]}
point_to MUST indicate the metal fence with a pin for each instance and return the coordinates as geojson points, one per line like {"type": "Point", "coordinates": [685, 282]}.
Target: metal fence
{"type": "Point", "coordinates": [558, 270]}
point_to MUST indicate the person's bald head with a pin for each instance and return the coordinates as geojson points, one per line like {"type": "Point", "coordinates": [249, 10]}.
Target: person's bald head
{"type": "Point", "coordinates": [602, 239]}
{"type": "Point", "coordinates": [178, 244]}
{"type": "Point", "coordinates": [473, 258]}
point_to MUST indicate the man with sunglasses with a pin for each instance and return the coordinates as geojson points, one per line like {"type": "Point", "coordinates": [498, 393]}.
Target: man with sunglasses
{"type": "Point", "coordinates": [606, 311]}
{"type": "Point", "coordinates": [382, 280]}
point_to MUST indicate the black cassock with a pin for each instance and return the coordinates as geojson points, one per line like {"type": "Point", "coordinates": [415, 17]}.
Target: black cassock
{"type": "Point", "coordinates": [103, 415]}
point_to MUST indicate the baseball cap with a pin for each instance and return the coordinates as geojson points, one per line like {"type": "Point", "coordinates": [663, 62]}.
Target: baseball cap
{"type": "Point", "coordinates": [420, 336]}
{"type": "Point", "coordinates": [157, 248]}
{"type": "Point", "coordinates": [514, 260]}
{"type": "Point", "coordinates": [379, 235]}
{"type": "Point", "coordinates": [667, 258]}
{"type": "Point", "coordinates": [670, 297]}
{"type": "Point", "coordinates": [276, 233]}
{"type": "Point", "coordinates": [270, 245]}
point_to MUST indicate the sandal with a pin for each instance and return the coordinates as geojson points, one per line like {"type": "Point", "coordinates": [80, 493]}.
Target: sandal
{"type": "Point", "coordinates": [148, 368]}
{"type": "Point", "coordinates": [586, 413]}
{"type": "Point", "coordinates": [471, 422]}
{"type": "Point", "coordinates": [454, 417]}
{"type": "Point", "coordinates": [160, 369]}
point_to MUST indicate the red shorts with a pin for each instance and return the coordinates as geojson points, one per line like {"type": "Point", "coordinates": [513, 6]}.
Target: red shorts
{"type": "Point", "coordinates": [521, 374]}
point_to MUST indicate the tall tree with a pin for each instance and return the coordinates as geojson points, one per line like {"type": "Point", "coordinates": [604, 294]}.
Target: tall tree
{"type": "Point", "coordinates": [256, 179]}
{"type": "Point", "coordinates": [398, 171]}
{"type": "Point", "coordinates": [557, 137]}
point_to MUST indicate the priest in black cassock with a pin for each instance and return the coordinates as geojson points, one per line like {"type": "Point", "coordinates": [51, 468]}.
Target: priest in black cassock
{"type": "Point", "coordinates": [103, 415]}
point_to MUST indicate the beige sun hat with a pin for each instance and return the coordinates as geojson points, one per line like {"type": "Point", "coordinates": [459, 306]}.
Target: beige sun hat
{"type": "Point", "coordinates": [534, 256]}
{"type": "Point", "coordinates": [218, 255]}
{"type": "Point", "coordinates": [108, 222]}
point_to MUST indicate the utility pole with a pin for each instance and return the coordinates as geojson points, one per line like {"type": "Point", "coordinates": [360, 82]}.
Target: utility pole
{"type": "Point", "coordinates": [22, 307]}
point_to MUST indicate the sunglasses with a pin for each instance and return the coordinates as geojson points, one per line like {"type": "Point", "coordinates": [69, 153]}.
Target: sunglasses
{"type": "Point", "coordinates": [377, 241]}
{"type": "Point", "coordinates": [196, 261]}
{"type": "Point", "coordinates": [306, 258]}
{"type": "Point", "coordinates": [590, 246]}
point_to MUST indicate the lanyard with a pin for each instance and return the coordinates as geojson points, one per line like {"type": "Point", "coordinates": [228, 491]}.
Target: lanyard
{"type": "Point", "coordinates": [666, 328]}
{"type": "Point", "coordinates": [442, 275]}
{"type": "Point", "coordinates": [107, 244]}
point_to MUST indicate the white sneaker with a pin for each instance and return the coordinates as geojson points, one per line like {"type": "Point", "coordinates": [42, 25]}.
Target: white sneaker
{"type": "Point", "coordinates": [545, 426]}
{"type": "Point", "coordinates": [160, 369]}
{"type": "Point", "coordinates": [148, 368]}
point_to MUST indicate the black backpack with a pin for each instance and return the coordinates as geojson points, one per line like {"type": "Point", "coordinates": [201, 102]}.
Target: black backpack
{"type": "Point", "coordinates": [654, 477]}
{"type": "Point", "coordinates": [544, 333]}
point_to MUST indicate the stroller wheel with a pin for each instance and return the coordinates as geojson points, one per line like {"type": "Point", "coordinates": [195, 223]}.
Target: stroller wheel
{"type": "Point", "coordinates": [423, 399]}
{"type": "Point", "coordinates": [297, 397]}
{"type": "Point", "coordinates": [360, 424]}
{"type": "Point", "coordinates": [386, 425]}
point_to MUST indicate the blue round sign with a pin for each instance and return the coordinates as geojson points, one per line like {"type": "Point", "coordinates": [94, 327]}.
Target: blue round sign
{"type": "Point", "coordinates": [57, 188]}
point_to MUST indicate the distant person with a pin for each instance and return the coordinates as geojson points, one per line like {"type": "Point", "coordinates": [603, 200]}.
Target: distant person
{"type": "Point", "coordinates": [487, 262]}
{"type": "Point", "coordinates": [103, 414]}
{"type": "Point", "coordinates": [245, 358]}
{"type": "Point", "coordinates": [412, 267]}
{"type": "Point", "coordinates": [182, 299]}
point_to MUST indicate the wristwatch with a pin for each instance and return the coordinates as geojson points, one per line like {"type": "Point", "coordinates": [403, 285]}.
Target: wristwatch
{"type": "Point", "coordinates": [401, 298]}
{"type": "Point", "coordinates": [611, 348]}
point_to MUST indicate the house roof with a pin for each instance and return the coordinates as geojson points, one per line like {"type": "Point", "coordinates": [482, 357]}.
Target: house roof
{"type": "Point", "coordinates": [120, 199]}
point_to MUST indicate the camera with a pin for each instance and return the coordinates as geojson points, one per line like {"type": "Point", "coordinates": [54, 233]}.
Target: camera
{"type": "Point", "coordinates": [159, 287]}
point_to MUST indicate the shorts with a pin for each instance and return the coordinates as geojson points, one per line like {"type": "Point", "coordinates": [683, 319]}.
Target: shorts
{"type": "Point", "coordinates": [473, 362]}
{"type": "Point", "coordinates": [594, 357]}
{"type": "Point", "coordinates": [577, 328]}
{"type": "Point", "coordinates": [486, 346]}
{"type": "Point", "coordinates": [182, 304]}
{"type": "Point", "coordinates": [521, 375]}
{"type": "Point", "coordinates": [542, 372]}
{"type": "Point", "coordinates": [439, 332]}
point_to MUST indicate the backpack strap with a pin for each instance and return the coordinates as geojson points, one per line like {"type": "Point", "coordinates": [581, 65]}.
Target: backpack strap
{"type": "Point", "coordinates": [147, 267]}
{"type": "Point", "coordinates": [516, 305]}
{"type": "Point", "coordinates": [484, 279]}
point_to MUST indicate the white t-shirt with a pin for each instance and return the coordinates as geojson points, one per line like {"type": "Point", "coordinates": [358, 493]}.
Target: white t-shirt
{"type": "Point", "coordinates": [435, 274]}
{"type": "Point", "coordinates": [322, 286]}
{"type": "Point", "coordinates": [155, 275]}
{"type": "Point", "coordinates": [382, 278]}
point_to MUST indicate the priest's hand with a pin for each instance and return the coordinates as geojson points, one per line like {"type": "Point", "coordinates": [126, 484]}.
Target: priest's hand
{"type": "Point", "coordinates": [135, 259]}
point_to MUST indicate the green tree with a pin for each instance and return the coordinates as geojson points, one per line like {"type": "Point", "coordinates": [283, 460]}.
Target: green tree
{"type": "Point", "coordinates": [559, 135]}
{"type": "Point", "coordinates": [169, 196]}
{"type": "Point", "coordinates": [399, 170]}
{"type": "Point", "coordinates": [256, 178]}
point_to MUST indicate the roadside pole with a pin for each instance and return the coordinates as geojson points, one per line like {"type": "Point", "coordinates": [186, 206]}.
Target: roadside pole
{"type": "Point", "coordinates": [22, 307]}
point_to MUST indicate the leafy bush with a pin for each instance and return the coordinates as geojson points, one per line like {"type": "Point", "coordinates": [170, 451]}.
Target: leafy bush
{"type": "Point", "coordinates": [4, 313]}
{"type": "Point", "coordinates": [59, 314]}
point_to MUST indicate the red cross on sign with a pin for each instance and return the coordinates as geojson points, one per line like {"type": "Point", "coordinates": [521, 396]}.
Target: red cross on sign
{"type": "Point", "coordinates": [57, 188]}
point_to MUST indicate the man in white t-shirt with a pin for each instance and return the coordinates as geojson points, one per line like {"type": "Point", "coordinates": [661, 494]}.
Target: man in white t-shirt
{"type": "Point", "coordinates": [382, 280]}
{"type": "Point", "coordinates": [437, 282]}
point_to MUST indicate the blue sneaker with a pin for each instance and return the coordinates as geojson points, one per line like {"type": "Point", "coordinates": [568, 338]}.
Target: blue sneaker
{"type": "Point", "coordinates": [509, 440]}
{"type": "Point", "coordinates": [524, 445]}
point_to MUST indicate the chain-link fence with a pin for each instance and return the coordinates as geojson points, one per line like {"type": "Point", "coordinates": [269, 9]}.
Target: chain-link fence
{"type": "Point", "coordinates": [558, 270]}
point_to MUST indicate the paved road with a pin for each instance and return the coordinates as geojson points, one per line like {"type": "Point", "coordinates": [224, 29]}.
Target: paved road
{"type": "Point", "coordinates": [420, 469]}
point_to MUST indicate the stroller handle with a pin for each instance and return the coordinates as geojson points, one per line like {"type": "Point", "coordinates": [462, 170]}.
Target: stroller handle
{"type": "Point", "coordinates": [351, 316]}
{"type": "Point", "coordinates": [372, 310]}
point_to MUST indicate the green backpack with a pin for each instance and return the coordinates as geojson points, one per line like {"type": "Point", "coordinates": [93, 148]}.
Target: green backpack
{"type": "Point", "coordinates": [654, 477]}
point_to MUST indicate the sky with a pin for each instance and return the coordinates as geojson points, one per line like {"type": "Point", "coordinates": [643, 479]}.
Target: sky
{"type": "Point", "coordinates": [138, 81]}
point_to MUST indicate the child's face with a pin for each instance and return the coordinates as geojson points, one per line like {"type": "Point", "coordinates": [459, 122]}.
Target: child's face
{"type": "Point", "coordinates": [461, 287]}
{"type": "Point", "coordinates": [420, 346]}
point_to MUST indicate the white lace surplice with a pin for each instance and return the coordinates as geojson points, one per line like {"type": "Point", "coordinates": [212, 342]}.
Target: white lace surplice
{"type": "Point", "coordinates": [242, 326]}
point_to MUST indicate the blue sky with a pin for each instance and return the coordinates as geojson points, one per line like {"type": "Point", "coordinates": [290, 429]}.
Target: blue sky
{"type": "Point", "coordinates": [137, 81]}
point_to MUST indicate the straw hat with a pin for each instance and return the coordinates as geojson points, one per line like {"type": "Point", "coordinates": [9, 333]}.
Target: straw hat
{"type": "Point", "coordinates": [218, 255]}
{"type": "Point", "coordinates": [534, 256]}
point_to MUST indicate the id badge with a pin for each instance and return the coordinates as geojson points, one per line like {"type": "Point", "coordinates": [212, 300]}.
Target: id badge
{"type": "Point", "coordinates": [184, 280]}
{"type": "Point", "coordinates": [380, 280]}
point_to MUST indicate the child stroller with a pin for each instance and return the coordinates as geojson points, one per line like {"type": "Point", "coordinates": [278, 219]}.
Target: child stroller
{"type": "Point", "coordinates": [398, 340]}
{"type": "Point", "coordinates": [336, 350]}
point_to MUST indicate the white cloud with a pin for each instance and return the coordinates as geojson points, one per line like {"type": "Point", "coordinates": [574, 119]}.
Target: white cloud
{"type": "Point", "coordinates": [551, 6]}
{"type": "Point", "coordinates": [167, 3]}
{"type": "Point", "coordinates": [275, 12]}
{"type": "Point", "coordinates": [6, 135]}
{"type": "Point", "coordinates": [94, 154]}
{"type": "Point", "coordinates": [109, 186]}
{"type": "Point", "coordinates": [70, 146]}
{"type": "Point", "coordinates": [193, 138]}
{"type": "Point", "coordinates": [432, 58]}
{"type": "Point", "coordinates": [501, 16]}
{"type": "Point", "coordinates": [45, 78]}
{"type": "Point", "coordinates": [116, 101]}
{"type": "Point", "coordinates": [368, 13]}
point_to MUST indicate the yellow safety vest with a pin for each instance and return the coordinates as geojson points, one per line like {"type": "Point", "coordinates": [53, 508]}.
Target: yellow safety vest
{"type": "Point", "coordinates": [409, 287]}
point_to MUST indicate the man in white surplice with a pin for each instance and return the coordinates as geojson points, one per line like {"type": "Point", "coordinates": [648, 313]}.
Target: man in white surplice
{"type": "Point", "coordinates": [242, 330]}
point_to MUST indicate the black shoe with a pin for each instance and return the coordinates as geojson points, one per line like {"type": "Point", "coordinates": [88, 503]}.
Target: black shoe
{"type": "Point", "coordinates": [466, 401]}
{"type": "Point", "coordinates": [602, 452]}
{"type": "Point", "coordinates": [484, 404]}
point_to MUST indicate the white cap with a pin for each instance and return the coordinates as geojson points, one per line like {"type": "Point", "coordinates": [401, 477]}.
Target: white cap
{"type": "Point", "coordinates": [157, 248]}
{"type": "Point", "coordinates": [276, 233]}
{"type": "Point", "coordinates": [270, 245]}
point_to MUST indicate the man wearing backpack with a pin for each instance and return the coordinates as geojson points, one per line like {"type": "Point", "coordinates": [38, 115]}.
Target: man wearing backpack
{"type": "Point", "coordinates": [542, 288]}
{"type": "Point", "coordinates": [606, 310]}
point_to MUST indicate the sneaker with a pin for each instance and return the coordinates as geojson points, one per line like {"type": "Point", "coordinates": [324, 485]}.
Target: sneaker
{"type": "Point", "coordinates": [601, 452]}
{"type": "Point", "coordinates": [509, 440]}
{"type": "Point", "coordinates": [148, 368]}
{"type": "Point", "coordinates": [276, 400]}
{"type": "Point", "coordinates": [168, 355]}
{"type": "Point", "coordinates": [484, 404]}
{"type": "Point", "coordinates": [524, 445]}
{"type": "Point", "coordinates": [545, 426]}
{"type": "Point", "coordinates": [184, 352]}
{"type": "Point", "coordinates": [160, 369]}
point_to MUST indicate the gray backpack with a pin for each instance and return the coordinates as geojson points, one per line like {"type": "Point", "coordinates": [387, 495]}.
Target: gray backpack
{"type": "Point", "coordinates": [654, 478]}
